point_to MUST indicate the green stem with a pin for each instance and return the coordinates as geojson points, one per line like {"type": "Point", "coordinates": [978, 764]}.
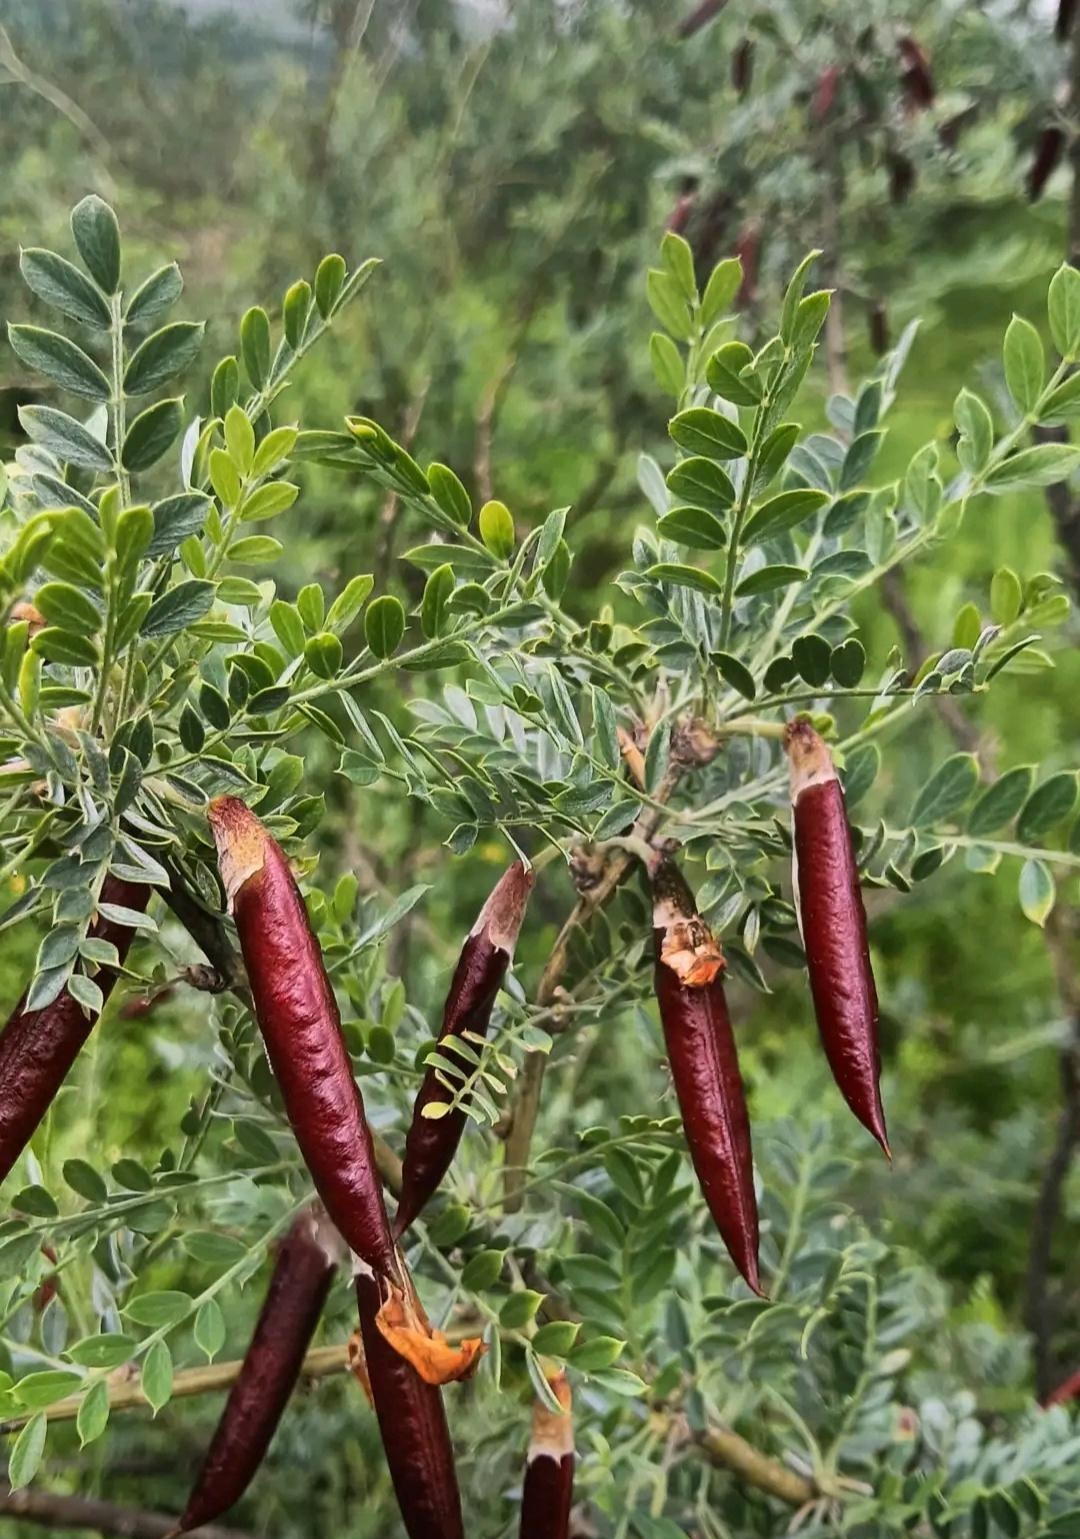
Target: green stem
{"type": "Point", "coordinates": [118, 401]}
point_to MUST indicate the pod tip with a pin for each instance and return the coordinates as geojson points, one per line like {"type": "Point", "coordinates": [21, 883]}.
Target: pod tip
{"type": "Point", "coordinates": [687, 945]}
{"type": "Point", "coordinates": [241, 842]}
{"type": "Point", "coordinates": [503, 914]}
{"type": "Point", "coordinates": [553, 1431]}
{"type": "Point", "coordinates": [809, 758]}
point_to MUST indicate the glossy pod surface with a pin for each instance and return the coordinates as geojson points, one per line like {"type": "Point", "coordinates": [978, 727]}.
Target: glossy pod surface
{"type": "Point", "coordinates": [833, 924]}
{"type": "Point", "coordinates": [38, 1047]}
{"type": "Point", "coordinates": [705, 1067]}
{"type": "Point", "coordinates": [412, 1423]}
{"type": "Point", "coordinates": [299, 1021]}
{"type": "Point", "coordinates": [301, 1279]}
{"type": "Point", "coordinates": [432, 1142]}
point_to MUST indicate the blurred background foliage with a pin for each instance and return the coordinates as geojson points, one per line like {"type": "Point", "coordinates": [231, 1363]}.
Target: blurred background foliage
{"type": "Point", "coordinates": [514, 168]}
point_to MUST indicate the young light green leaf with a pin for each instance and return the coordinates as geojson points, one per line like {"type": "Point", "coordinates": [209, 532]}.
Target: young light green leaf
{"type": "Point", "coordinates": [384, 625]}
{"type": "Point", "coordinates": [668, 368]}
{"type": "Point", "coordinates": [1025, 364]}
{"type": "Point", "coordinates": [1036, 891]}
{"type": "Point", "coordinates": [667, 303]}
{"type": "Point", "coordinates": [1006, 596]}
{"type": "Point", "coordinates": [497, 529]}
{"type": "Point", "coordinates": [724, 283]}
{"type": "Point", "coordinates": [157, 1376]}
{"type": "Point", "coordinates": [433, 606]}
{"type": "Point", "coordinates": [93, 1413]}
{"type": "Point", "coordinates": [1043, 465]}
{"type": "Point", "coordinates": [976, 429]}
{"type": "Point", "coordinates": [209, 1328]}
{"type": "Point", "coordinates": [678, 260]}
{"type": "Point", "coordinates": [26, 1452]}
{"type": "Point", "coordinates": [329, 282]}
{"type": "Point", "coordinates": [1064, 310]}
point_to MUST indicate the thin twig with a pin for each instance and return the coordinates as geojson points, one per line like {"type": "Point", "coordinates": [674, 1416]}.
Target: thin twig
{"type": "Point", "coordinates": [390, 512]}
{"type": "Point", "coordinates": [526, 1107]}
{"type": "Point", "coordinates": [1040, 1309]}
{"type": "Point", "coordinates": [23, 75]}
{"type": "Point", "coordinates": [754, 1468]}
{"type": "Point", "coordinates": [54, 1509]}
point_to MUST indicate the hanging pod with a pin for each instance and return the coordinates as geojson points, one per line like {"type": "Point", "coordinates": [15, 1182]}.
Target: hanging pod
{"type": "Point", "coordinates": [432, 1141]}
{"type": "Point", "coordinates": [548, 1491]}
{"type": "Point", "coordinates": [832, 920]}
{"type": "Point", "coordinates": [38, 1047]}
{"type": "Point", "coordinates": [298, 1017]}
{"type": "Point", "coordinates": [303, 1272]}
{"type": "Point", "coordinates": [704, 1065]}
{"type": "Point", "coordinates": [412, 1424]}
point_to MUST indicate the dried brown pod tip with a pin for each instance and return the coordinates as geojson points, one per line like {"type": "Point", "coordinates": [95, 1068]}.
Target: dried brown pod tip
{"type": "Point", "coordinates": [688, 947]}
{"type": "Point", "coordinates": [548, 1491]}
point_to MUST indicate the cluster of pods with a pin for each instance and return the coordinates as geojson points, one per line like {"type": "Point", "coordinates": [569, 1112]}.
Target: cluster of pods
{"type": "Point", "coordinates": [400, 1358]}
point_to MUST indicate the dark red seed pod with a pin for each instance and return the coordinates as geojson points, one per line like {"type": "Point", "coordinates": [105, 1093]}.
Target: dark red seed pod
{"type": "Point", "coordinates": [748, 251]}
{"type": "Point", "coordinates": [699, 17]}
{"type": "Point", "coordinates": [1066, 13]}
{"type": "Point", "coordinates": [432, 1141]}
{"type": "Point", "coordinates": [878, 325]}
{"type": "Point", "coordinates": [412, 1423]}
{"type": "Point", "coordinates": [833, 925]}
{"type": "Point", "coordinates": [821, 103]}
{"type": "Point", "coordinates": [38, 1047]}
{"type": "Point", "coordinates": [918, 82]}
{"type": "Point", "coordinates": [742, 66]}
{"type": "Point", "coordinates": [901, 177]}
{"type": "Point", "coordinates": [303, 1272]}
{"type": "Point", "coordinates": [50, 1286]}
{"type": "Point", "coordinates": [299, 1021]}
{"type": "Point", "coordinates": [548, 1492]}
{"type": "Point", "coordinates": [679, 217]}
{"type": "Point", "coordinates": [141, 1005]}
{"type": "Point", "coordinates": [705, 1067]}
{"type": "Point", "coordinates": [1062, 1393]}
{"type": "Point", "coordinates": [1049, 148]}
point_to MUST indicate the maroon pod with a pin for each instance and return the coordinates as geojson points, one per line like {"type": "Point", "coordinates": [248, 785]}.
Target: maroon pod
{"type": "Point", "coordinates": [412, 1424]}
{"type": "Point", "coordinates": [548, 1492]}
{"type": "Point", "coordinates": [303, 1271]}
{"type": "Point", "coordinates": [299, 1021]}
{"type": "Point", "coordinates": [705, 1067]}
{"type": "Point", "coordinates": [432, 1141]}
{"type": "Point", "coordinates": [833, 924]}
{"type": "Point", "coordinates": [38, 1047]}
